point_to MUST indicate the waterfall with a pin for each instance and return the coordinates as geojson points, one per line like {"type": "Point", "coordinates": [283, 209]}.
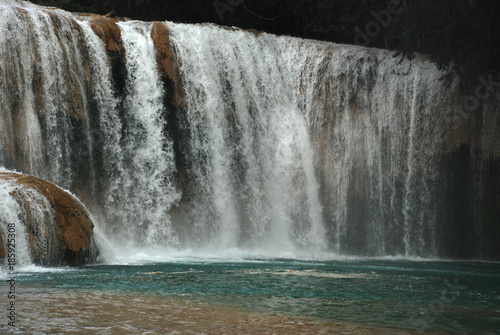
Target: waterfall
{"type": "Point", "coordinates": [379, 128]}
{"type": "Point", "coordinates": [250, 157]}
{"type": "Point", "coordinates": [148, 190]}
{"type": "Point", "coordinates": [261, 145]}
{"type": "Point", "coordinates": [44, 96]}
{"type": "Point", "coordinates": [11, 213]}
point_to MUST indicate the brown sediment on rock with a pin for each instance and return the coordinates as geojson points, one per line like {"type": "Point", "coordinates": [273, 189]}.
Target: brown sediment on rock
{"type": "Point", "coordinates": [164, 52]}
{"type": "Point", "coordinates": [165, 59]}
{"type": "Point", "coordinates": [73, 226]}
{"type": "Point", "coordinates": [112, 14]}
{"type": "Point", "coordinates": [107, 30]}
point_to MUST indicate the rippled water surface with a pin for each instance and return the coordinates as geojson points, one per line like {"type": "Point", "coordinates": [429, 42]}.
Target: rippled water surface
{"type": "Point", "coordinates": [259, 296]}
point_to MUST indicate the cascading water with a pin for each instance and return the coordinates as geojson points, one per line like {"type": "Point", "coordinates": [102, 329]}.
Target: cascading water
{"type": "Point", "coordinates": [44, 96]}
{"type": "Point", "coordinates": [148, 191]}
{"type": "Point", "coordinates": [379, 128]}
{"type": "Point", "coordinates": [250, 158]}
{"type": "Point", "coordinates": [11, 213]}
{"type": "Point", "coordinates": [280, 147]}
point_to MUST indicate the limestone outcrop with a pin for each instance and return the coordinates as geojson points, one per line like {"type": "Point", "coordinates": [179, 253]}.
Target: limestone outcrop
{"type": "Point", "coordinates": [58, 227]}
{"type": "Point", "coordinates": [106, 28]}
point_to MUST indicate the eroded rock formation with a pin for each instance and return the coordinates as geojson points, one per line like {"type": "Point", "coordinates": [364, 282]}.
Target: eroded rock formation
{"type": "Point", "coordinates": [58, 227]}
{"type": "Point", "coordinates": [106, 28]}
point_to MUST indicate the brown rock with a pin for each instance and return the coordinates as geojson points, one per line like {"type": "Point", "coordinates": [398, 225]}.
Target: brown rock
{"type": "Point", "coordinates": [108, 31]}
{"type": "Point", "coordinates": [66, 218]}
{"type": "Point", "coordinates": [111, 14]}
{"type": "Point", "coordinates": [166, 60]}
{"type": "Point", "coordinates": [164, 53]}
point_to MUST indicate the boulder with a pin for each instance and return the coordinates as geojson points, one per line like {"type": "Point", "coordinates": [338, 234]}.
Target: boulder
{"type": "Point", "coordinates": [58, 227]}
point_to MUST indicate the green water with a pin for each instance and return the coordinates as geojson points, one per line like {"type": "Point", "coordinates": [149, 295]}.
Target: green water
{"type": "Point", "coordinates": [451, 297]}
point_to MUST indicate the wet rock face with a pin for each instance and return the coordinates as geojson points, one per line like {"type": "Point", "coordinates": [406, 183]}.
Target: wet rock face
{"type": "Point", "coordinates": [166, 65]}
{"type": "Point", "coordinates": [58, 227]}
{"type": "Point", "coordinates": [108, 31]}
